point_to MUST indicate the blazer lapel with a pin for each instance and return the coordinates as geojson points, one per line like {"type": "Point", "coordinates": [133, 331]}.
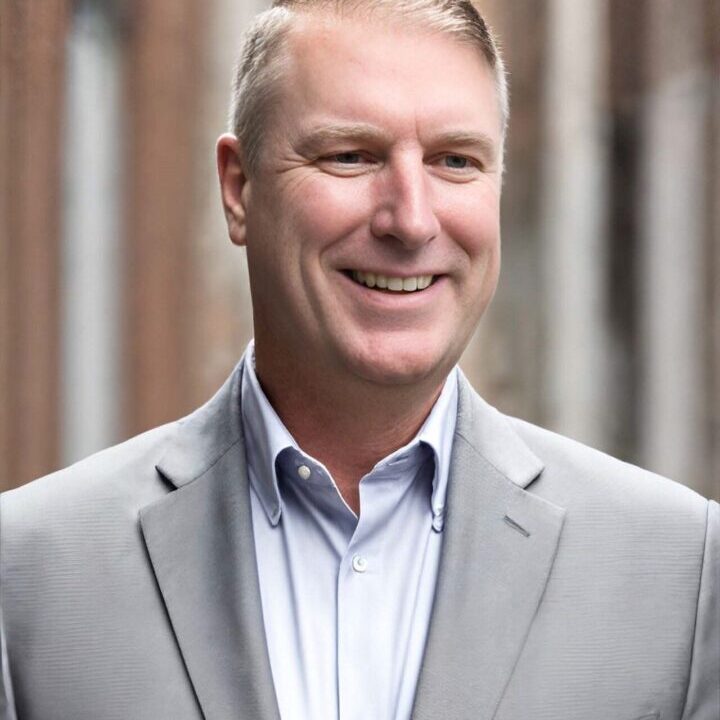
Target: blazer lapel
{"type": "Point", "coordinates": [498, 548]}
{"type": "Point", "coordinates": [200, 542]}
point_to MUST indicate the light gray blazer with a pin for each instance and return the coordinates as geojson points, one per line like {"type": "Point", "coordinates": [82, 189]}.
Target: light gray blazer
{"type": "Point", "coordinates": [572, 586]}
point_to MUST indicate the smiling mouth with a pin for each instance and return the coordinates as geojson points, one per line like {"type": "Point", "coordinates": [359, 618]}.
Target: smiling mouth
{"type": "Point", "coordinates": [376, 281]}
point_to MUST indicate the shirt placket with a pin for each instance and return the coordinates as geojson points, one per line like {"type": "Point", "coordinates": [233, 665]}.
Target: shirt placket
{"type": "Point", "coordinates": [363, 678]}
{"type": "Point", "coordinates": [359, 575]}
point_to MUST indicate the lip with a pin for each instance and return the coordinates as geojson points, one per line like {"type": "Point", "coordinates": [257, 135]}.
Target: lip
{"type": "Point", "coordinates": [393, 273]}
{"type": "Point", "coordinates": [395, 300]}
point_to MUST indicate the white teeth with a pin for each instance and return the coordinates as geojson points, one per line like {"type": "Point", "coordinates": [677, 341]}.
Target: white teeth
{"type": "Point", "coordinates": [395, 284]}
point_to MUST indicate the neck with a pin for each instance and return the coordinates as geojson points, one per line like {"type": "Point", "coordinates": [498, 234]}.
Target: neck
{"type": "Point", "coordinates": [347, 425]}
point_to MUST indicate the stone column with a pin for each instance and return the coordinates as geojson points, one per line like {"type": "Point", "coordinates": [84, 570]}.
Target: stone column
{"type": "Point", "coordinates": [164, 46]}
{"type": "Point", "coordinates": [91, 267]}
{"type": "Point", "coordinates": [32, 55]}
{"type": "Point", "coordinates": [575, 207]}
{"type": "Point", "coordinates": [673, 216]}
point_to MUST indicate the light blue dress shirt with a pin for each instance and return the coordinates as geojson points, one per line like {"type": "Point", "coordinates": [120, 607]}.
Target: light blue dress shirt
{"type": "Point", "coordinates": [346, 600]}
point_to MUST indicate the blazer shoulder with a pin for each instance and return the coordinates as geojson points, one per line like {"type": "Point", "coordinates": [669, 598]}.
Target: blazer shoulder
{"type": "Point", "coordinates": [117, 478]}
{"type": "Point", "coordinates": [575, 472]}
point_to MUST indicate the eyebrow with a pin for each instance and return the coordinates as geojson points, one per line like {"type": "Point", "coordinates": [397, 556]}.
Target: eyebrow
{"type": "Point", "coordinates": [480, 142]}
{"type": "Point", "coordinates": [317, 139]}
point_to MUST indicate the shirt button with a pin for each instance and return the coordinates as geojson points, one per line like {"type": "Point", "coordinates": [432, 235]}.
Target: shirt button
{"type": "Point", "coordinates": [359, 564]}
{"type": "Point", "coordinates": [304, 472]}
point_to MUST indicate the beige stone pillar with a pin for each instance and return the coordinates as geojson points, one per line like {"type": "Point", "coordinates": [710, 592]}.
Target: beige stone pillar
{"type": "Point", "coordinates": [577, 392]}
{"type": "Point", "coordinates": [91, 270]}
{"type": "Point", "coordinates": [673, 434]}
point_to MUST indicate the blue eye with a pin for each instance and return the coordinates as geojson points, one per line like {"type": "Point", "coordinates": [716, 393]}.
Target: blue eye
{"type": "Point", "coordinates": [456, 162]}
{"type": "Point", "coordinates": [347, 158]}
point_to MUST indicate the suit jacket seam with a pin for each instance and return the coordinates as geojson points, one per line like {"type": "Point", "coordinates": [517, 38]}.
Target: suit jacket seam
{"type": "Point", "coordinates": [697, 609]}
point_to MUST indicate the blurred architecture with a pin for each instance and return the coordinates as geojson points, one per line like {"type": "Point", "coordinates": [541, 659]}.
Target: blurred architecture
{"type": "Point", "coordinates": [122, 304]}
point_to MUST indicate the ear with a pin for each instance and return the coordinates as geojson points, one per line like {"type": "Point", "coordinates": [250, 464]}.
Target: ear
{"type": "Point", "coordinates": [233, 186]}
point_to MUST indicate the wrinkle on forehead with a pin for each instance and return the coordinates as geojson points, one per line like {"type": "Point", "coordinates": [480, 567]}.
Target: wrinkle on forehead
{"type": "Point", "coordinates": [309, 102]}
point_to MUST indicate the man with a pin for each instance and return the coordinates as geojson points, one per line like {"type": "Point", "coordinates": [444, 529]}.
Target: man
{"type": "Point", "coordinates": [347, 530]}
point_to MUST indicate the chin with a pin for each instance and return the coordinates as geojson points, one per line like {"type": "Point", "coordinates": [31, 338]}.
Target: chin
{"type": "Point", "coordinates": [394, 367]}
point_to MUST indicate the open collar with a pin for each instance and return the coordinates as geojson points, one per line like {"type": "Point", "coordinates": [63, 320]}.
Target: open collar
{"type": "Point", "coordinates": [266, 437]}
{"type": "Point", "coordinates": [498, 549]}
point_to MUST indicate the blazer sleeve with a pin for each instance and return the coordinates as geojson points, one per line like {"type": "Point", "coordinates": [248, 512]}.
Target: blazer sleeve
{"type": "Point", "coordinates": [7, 704]}
{"type": "Point", "coordinates": [703, 695]}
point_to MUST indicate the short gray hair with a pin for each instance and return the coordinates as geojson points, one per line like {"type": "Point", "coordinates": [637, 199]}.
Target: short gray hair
{"type": "Point", "coordinates": [259, 67]}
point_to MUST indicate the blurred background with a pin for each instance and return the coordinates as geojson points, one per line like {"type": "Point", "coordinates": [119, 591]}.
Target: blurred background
{"type": "Point", "coordinates": [123, 305]}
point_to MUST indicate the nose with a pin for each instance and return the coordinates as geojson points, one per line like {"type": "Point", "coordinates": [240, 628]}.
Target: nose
{"type": "Point", "coordinates": [404, 209]}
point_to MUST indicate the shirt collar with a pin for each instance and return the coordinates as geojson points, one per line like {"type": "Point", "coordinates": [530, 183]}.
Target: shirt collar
{"type": "Point", "coordinates": [266, 437]}
{"type": "Point", "coordinates": [437, 432]}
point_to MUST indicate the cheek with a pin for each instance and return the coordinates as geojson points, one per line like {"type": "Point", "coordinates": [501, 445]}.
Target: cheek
{"type": "Point", "coordinates": [298, 225]}
{"type": "Point", "coordinates": [329, 208]}
{"type": "Point", "coordinates": [473, 221]}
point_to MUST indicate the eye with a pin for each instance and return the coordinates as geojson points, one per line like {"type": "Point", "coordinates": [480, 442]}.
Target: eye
{"type": "Point", "coordinates": [347, 163]}
{"type": "Point", "coordinates": [457, 168]}
{"type": "Point", "coordinates": [456, 162]}
{"type": "Point", "coordinates": [347, 158]}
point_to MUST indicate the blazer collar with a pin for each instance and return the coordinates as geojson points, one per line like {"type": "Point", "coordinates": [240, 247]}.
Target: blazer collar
{"type": "Point", "coordinates": [491, 435]}
{"type": "Point", "coordinates": [200, 543]}
{"type": "Point", "coordinates": [498, 550]}
{"type": "Point", "coordinates": [205, 435]}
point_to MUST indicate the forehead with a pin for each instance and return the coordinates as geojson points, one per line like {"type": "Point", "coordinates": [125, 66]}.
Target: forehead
{"type": "Point", "coordinates": [377, 66]}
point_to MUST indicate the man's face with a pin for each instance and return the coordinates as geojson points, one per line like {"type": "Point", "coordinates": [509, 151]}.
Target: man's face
{"type": "Point", "coordinates": [380, 164]}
